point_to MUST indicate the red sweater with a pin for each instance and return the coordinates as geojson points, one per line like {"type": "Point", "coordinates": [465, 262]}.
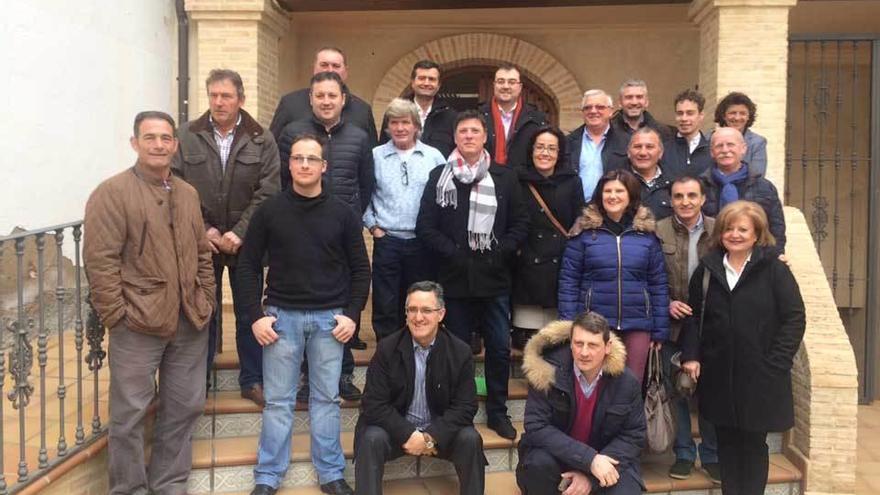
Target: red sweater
{"type": "Point", "coordinates": [584, 408]}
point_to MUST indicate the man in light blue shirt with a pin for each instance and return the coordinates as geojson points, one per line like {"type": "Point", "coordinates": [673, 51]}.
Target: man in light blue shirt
{"type": "Point", "coordinates": [401, 170]}
{"type": "Point", "coordinates": [595, 146]}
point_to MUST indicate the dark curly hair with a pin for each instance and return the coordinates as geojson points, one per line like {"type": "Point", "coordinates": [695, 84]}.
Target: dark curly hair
{"type": "Point", "coordinates": [735, 98]}
{"type": "Point", "coordinates": [547, 129]}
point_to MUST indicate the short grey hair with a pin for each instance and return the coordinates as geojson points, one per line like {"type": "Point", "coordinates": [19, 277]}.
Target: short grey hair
{"type": "Point", "coordinates": [633, 83]}
{"type": "Point", "coordinates": [400, 108]}
{"type": "Point", "coordinates": [596, 92]}
{"type": "Point", "coordinates": [428, 286]}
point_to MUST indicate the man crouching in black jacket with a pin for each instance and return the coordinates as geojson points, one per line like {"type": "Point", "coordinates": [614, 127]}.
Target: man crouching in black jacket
{"type": "Point", "coordinates": [584, 418]}
{"type": "Point", "coordinates": [420, 398]}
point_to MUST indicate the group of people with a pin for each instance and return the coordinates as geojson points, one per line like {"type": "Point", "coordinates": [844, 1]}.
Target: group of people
{"type": "Point", "coordinates": [588, 250]}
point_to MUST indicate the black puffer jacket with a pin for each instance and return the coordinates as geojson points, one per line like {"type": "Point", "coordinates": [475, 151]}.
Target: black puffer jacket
{"type": "Point", "coordinates": [537, 265]}
{"type": "Point", "coordinates": [296, 106]}
{"type": "Point", "coordinates": [349, 155]}
{"type": "Point", "coordinates": [528, 123]}
{"type": "Point", "coordinates": [619, 124]}
{"type": "Point", "coordinates": [438, 129]}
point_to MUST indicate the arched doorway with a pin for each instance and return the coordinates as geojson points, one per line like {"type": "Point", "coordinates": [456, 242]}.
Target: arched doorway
{"type": "Point", "coordinates": [466, 87]}
{"type": "Point", "coordinates": [469, 61]}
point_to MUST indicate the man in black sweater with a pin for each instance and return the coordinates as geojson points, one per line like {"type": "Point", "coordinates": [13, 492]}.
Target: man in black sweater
{"type": "Point", "coordinates": [319, 277]}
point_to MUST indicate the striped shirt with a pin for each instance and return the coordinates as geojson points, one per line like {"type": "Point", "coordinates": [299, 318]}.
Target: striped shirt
{"type": "Point", "coordinates": [418, 413]}
{"type": "Point", "coordinates": [224, 143]}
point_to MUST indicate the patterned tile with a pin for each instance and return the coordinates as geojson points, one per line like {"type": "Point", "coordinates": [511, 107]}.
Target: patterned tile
{"type": "Point", "coordinates": [229, 425]}
{"type": "Point", "coordinates": [226, 479]}
{"type": "Point", "coordinates": [778, 489]}
{"type": "Point", "coordinates": [430, 467]}
{"type": "Point", "coordinates": [774, 443]}
{"type": "Point", "coordinates": [499, 460]}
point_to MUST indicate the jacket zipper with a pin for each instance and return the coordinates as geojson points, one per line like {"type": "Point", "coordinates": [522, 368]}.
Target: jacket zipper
{"type": "Point", "coordinates": [647, 304]}
{"type": "Point", "coordinates": [619, 284]}
{"type": "Point", "coordinates": [589, 297]}
{"type": "Point", "coordinates": [143, 238]}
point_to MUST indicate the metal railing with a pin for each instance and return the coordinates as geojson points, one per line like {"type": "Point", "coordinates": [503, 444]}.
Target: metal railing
{"type": "Point", "coordinates": [29, 319]}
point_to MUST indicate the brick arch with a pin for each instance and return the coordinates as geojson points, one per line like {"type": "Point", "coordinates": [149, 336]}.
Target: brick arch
{"type": "Point", "coordinates": [488, 49]}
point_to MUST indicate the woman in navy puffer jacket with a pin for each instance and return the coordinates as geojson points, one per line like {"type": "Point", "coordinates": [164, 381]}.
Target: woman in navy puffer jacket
{"type": "Point", "coordinates": [614, 265]}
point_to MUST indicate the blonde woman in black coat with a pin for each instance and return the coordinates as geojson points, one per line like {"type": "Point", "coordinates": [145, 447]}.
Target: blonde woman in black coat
{"type": "Point", "coordinates": [742, 357]}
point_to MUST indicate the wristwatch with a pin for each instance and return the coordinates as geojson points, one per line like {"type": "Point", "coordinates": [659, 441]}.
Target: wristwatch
{"type": "Point", "coordinates": [429, 440]}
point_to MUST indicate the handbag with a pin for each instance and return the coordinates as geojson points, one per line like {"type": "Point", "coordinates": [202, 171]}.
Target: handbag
{"type": "Point", "coordinates": [661, 427]}
{"type": "Point", "coordinates": [684, 384]}
{"type": "Point", "coordinates": [547, 211]}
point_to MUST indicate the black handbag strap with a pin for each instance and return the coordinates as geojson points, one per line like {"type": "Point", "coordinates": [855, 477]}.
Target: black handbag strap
{"type": "Point", "coordinates": [706, 276]}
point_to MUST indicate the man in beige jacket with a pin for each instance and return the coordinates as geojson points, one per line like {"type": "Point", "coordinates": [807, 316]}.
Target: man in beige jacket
{"type": "Point", "coordinates": [148, 261]}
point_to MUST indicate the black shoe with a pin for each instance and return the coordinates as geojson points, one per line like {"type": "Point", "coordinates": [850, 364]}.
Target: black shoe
{"type": "Point", "coordinates": [302, 395]}
{"type": "Point", "coordinates": [476, 344]}
{"type": "Point", "coordinates": [254, 393]}
{"type": "Point", "coordinates": [337, 487]}
{"type": "Point", "coordinates": [713, 469]}
{"type": "Point", "coordinates": [347, 390]}
{"type": "Point", "coordinates": [263, 490]}
{"type": "Point", "coordinates": [503, 427]}
{"type": "Point", "coordinates": [681, 470]}
{"type": "Point", "coordinates": [356, 343]}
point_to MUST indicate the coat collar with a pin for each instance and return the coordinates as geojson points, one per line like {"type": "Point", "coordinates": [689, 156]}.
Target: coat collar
{"type": "Point", "coordinates": [714, 262]}
{"type": "Point", "coordinates": [643, 221]}
{"type": "Point", "coordinates": [248, 125]}
{"type": "Point", "coordinates": [541, 373]}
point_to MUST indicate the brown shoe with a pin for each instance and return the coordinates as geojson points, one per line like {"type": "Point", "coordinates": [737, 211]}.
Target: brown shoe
{"type": "Point", "coordinates": [254, 393]}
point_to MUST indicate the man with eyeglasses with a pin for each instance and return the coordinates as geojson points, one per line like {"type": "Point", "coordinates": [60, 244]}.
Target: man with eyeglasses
{"type": "Point", "coordinates": [420, 399]}
{"type": "Point", "coordinates": [595, 147]}
{"type": "Point", "coordinates": [317, 285]}
{"type": "Point", "coordinates": [511, 121]}
{"type": "Point", "coordinates": [348, 151]}
{"type": "Point", "coordinates": [402, 166]}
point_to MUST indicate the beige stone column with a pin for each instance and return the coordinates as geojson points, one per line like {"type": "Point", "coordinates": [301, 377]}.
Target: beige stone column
{"type": "Point", "coordinates": [241, 35]}
{"type": "Point", "coordinates": [744, 47]}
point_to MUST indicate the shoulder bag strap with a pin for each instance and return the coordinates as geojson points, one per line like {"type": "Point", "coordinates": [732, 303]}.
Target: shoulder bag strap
{"type": "Point", "coordinates": [706, 276]}
{"type": "Point", "coordinates": [547, 211]}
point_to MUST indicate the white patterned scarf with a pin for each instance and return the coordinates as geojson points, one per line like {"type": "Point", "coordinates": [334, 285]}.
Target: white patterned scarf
{"type": "Point", "coordinates": [482, 201]}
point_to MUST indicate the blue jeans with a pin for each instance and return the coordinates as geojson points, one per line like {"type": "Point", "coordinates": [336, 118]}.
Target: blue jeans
{"type": "Point", "coordinates": [397, 264]}
{"type": "Point", "coordinates": [250, 354]}
{"type": "Point", "coordinates": [490, 316]}
{"type": "Point", "coordinates": [685, 448]}
{"type": "Point", "coordinates": [298, 331]}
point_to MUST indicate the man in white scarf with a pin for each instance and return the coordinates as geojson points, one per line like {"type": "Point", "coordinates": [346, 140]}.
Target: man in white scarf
{"type": "Point", "coordinates": [473, 218]}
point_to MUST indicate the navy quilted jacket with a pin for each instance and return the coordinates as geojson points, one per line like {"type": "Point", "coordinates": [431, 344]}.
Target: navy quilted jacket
{"type": "Point", "coordinates": [623, 279]}
{"type": "Point", "coordinates": [349, 154]}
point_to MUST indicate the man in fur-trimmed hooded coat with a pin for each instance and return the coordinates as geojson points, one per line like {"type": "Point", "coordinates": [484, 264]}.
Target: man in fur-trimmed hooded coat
{"type": "Point", "coordinates": [584, 417]}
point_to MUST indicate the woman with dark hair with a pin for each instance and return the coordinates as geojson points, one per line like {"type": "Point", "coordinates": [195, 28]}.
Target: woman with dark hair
{"type": "Point", "coordinates": [740, 343]}
{"type": "Point", "coordinates": [615, 267]}
{"type": "Point", "coordinates": [739, 111]}
{"type": "Point", "coordinates": [554, 196]}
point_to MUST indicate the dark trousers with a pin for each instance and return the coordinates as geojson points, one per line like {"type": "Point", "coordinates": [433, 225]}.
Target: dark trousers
{"type": "Point", "coordinates": [744, 460]}
{"type": "Point", "coordinates": [375, 449]}
{"type": "Point", "coordinates": [397, 264]}
{"type": "Point", "coordinates": [491, 315]}
{"type": "Point", "coordinates": [539, 473]}
{"type": "Point", "coordinates": [250, 354]}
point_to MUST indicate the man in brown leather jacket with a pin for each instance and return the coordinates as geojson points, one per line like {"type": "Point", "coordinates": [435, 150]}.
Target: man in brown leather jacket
{"type": "Point", "coordinates": [148, 262]}
{"type": "Point", "coordinates": [233, 163]}
{"type": "Point", "coordinates": [685, 238]}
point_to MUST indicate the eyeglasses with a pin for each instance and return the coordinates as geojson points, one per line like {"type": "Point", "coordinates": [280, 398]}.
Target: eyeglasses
{"type": "Point", "coordinates": [306, 160]}
{"type": "Point", "coordinates": [540, 148]}
{"type": "Point", "coordinates": [413, 311]}
{"type": "Point", "coordinates": [404, 178]}
{"type": "Point", "coordinates": [598, 108]}
{"type": "Point", "coordinates": [509, 82]}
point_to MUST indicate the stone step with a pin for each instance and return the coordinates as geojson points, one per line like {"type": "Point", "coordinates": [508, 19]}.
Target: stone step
{"type": "Point", "coordinates": [409, 476]}
{"type": "Point", "coordinates": [234, 460]}
{"type": "Point", "coordinates": [231, 416]}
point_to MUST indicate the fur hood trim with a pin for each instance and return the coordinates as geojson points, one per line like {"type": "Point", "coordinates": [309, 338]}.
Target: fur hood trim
{"type": "Point", "coordinates": [542, 374]}
{"type": "Point", "coordinates": [591, 218]}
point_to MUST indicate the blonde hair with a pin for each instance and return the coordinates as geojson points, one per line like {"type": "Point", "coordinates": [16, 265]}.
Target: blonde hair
{"type": "Point", "coordinates": [748, 209]}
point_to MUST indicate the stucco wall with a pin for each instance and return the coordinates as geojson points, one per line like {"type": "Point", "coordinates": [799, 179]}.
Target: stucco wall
{"type": "Point", "coordinates": [611, 43]}
{"type": "Point", "coordinates": [74, 75]}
